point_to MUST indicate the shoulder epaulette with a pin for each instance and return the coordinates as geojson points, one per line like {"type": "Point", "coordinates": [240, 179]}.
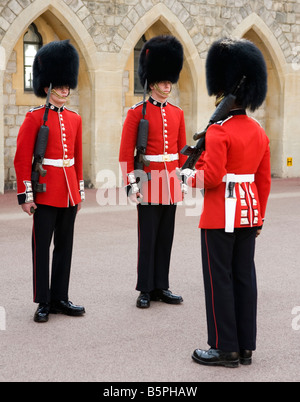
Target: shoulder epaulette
{"type": "Point", "coordinates": [255, 121]}
{"type": "Point", "coordinates": [136, 105]}
{"type": "Point", "coordinates": [70, 110]}
{"type": "Point", "coordinates": [174, 105]}
{"type": "Point", "coordinates": [221, 122]}
{"type": "Point", "coordinates": [33, 109]}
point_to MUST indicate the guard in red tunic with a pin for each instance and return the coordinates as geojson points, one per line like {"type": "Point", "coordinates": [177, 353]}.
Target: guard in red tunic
{"type": "Point", "coordinates": [55, 204]}
{"type": "Point", "coordinates": [236, 170]}
{"type": "Point", "coordinates": [155, 187]}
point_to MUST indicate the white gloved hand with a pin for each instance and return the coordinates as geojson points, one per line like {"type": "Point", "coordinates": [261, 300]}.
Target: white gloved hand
{"type": "Point", "coordinates": [188, 173]}
{"type": "Point", "coordinates": [136, 198]}
{"type": "Point", "coordinates": [185, 172]}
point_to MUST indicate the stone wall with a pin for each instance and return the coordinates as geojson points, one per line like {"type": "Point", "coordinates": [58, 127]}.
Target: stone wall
{"type": "Point", "coordinates": [109, 22]}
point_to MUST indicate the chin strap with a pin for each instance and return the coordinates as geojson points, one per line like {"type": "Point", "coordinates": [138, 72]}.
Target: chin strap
{"type": "Point", "coordinates": [219, 99]}
{"type": "Point", "coordinates": [59, 96]}
{"type": "Point", "coordinates": [160, 91]}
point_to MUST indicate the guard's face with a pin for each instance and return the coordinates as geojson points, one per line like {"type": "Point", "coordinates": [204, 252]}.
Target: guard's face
{"type": "Point", "coordinates": [59, 95]}
{"type": "Point", "coordinates": [61, 92]}
{"type": "Point", "coordinates": [165, 86]}
{"type": "Point", "coordinates": [162, 88]}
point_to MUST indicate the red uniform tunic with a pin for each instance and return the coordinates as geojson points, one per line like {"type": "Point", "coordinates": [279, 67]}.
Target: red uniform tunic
{"type": "Point", "coordinates": [64, 185]}
{"type": "Point", "coordinates": [166, 137]}
{"type": "Point", "coordinates": [238, 146]}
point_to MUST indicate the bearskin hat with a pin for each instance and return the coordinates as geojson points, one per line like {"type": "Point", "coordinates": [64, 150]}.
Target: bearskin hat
{"type": "Point", "coordinates": [56, 63]}
{"type": "Point", "coordinates": [161, 59]}
{"type": "Point", "coordinates": [227, 62]}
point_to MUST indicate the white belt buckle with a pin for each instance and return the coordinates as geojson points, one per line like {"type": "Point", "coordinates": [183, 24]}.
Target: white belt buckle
{"type": "Point", "coordinates": [66, 162]}
{"type": "Point", "coordinates": [166, 158]}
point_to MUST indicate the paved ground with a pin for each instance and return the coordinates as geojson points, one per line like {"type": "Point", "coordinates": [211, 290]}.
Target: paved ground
{"type": "Point", "coordinates": [115, 341]}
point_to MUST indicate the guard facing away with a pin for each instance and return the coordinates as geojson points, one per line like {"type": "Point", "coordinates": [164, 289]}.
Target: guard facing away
{"type": "Point", "coordinates": [156, 130]}
{"type": "Point", "coordinates": [52, 188]}
{"type": "Point", "coordinates": [236, 170]}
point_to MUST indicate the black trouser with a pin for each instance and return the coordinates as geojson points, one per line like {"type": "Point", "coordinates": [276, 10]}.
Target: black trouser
{"type": "Point", "coordinates": [46, 222]}
{"type": "Point", "coordinates": [230, 288]}
{"type": "Point", "coordinates": [155, 238]}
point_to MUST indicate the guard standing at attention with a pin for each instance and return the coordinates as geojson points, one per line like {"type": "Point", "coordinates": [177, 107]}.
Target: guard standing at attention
{"type": "Point", "coordinates": [237, 178]}
{"type": "Point", "coordinates": [154, 185]}
{"type": "Point", "coordinates": [55, 200]}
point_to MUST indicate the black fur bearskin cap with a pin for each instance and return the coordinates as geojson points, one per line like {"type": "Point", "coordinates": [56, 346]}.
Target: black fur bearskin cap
{"type": "Point", "coordinates": [161, 59]}
{"type": "Point", "coordinates": [228, 60]}
{"type": "Point", "coordinates": [56, 63]}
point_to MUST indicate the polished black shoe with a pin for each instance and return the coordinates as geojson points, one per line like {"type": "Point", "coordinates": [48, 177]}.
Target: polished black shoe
{"type": "Point", "coordinates": [143, 301]}
{"type": "Point", "coordinates": [215, 357]}
{"type": "Point", "coordinates": [67, 308]}
{"type": "Point", "coordinates": [165, 296]}
{"type": "Point", "coordinates": [42, 313]}
{"type": "Point", "coordinates": [246, 357]}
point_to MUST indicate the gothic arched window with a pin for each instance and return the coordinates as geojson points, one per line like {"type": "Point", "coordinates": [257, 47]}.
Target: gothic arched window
{"type": "Point", "coordinates": [32, 43]}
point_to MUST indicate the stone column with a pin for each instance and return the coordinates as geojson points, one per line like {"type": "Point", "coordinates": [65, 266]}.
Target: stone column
{"type": "Point", "coordinates": [291, 136]}
{"type": "Point", "coordinates": [108, 122]}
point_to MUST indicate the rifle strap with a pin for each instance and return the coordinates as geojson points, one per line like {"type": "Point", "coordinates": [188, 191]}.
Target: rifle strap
{"type": "Point", "coordinates": [45, 118]}
{"type": "Point", "coordinates": [144, 99]}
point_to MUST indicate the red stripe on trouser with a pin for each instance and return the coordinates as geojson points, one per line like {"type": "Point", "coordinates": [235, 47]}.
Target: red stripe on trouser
{"type": "Point", "coordinates": [34, 262]}
{"type": "Point", "coordinates": [212, 290]}
{"type": "Point", "coordinates": [139, 244]}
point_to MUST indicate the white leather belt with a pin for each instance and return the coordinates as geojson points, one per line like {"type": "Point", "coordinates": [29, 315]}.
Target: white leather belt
{"type": "Point", "coordinates": [240, 178]}
{"type": "Point", "coordinates": [230, 197]}
{"type": "Point", "coordinates": [162, 158]}
{"type": "Point", "coordinates": [59, 162]}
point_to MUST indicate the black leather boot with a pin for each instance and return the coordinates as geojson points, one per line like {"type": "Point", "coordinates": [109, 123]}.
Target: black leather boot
{"type": "Point", "coordinates": [216, 357]}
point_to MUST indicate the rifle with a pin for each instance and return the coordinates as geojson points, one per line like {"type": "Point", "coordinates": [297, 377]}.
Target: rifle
{"type": "Point", "coordinates": [39, 152]}
{"type": "Point", "coordinates": [141, 145]}
{"type": "Point", "coordinates": [142, 138]}
{"type": "Point", "coordinates": [221, 112]}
